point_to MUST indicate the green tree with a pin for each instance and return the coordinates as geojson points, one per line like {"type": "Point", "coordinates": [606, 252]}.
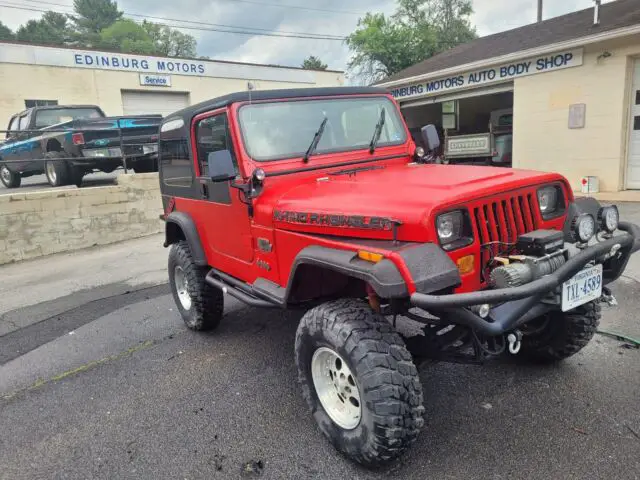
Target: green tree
{"type": "Point", "coordinates": [128, 37]}
{"type": "Point", "coordinates": [450, 19]}
{"type": "Point", "coordinates": [382, 46]}
{"type": "Point", "coordinates": [6, 33]}
{"type": "Point", "coordinates": [170, 42]}
{"type": "Point", "coordinates": [52, 29]}
{"type": "Point", "coordinates": [313, 63]}
{"type": "Point", "coordinates": [93, 16]}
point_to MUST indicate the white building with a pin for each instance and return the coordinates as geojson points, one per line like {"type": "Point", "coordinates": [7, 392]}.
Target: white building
{"type": "Point", "coordinates": [124, 84]}
{"type": "Point", "coordinates": [572, 83]}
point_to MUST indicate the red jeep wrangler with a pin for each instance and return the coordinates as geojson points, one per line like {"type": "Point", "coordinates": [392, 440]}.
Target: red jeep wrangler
{"type": "Point", "coordinates": [319, 199]}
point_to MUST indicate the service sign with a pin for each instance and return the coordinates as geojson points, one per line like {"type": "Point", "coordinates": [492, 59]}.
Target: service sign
{"type": "Point", "coordinates": [155, 80]}
{"type": "Point", "coordinates": [501, 73]}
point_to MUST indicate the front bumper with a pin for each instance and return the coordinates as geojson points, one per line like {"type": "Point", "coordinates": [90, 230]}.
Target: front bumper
{"type": "Point", "coordinates": [518, 305]}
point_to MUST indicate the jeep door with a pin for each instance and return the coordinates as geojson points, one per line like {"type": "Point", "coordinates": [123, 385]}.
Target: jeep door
{"type": "Point", "coordinates": [224, 218]}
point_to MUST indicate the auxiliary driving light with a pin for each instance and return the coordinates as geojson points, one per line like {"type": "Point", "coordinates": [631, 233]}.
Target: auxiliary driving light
{"type": "Point", "coordinates": [583, 227]}
{"type": "Point", "coordinates": [609, 218]}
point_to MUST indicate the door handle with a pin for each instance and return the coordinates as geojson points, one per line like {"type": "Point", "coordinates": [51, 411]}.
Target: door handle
{"type": "Point", "coordinates": [204, 188]}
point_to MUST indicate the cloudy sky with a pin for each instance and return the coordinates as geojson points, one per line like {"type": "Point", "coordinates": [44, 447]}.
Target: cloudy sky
{"type": "Point", "coordinates": [332, 17]}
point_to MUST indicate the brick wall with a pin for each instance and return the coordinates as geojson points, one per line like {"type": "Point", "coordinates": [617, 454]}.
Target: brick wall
{"type": "Point", "coordinates": [41, 223]}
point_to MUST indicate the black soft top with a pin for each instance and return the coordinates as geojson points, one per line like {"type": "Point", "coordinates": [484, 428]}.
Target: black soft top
{"type": "Point", "coordinates": [257, 95]}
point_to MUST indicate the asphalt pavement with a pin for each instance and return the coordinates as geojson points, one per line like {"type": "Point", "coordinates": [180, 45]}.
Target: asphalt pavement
{"type": "Point", "coordinates": [112, 385]}
{"type": "Point", "coordinates": [39, 182]}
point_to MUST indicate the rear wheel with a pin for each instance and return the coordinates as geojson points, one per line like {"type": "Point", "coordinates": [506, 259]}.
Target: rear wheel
{"type": "Point", "coordinates": [8, 178]}
{"type": "Point", "coordinates": [56, 170]}
{"type": "Point", "coordinates": [200, 304]}
{"type": "Point", "coordinates": [359, 381]}
{"type": "Point", "coordinates": [559, 335]}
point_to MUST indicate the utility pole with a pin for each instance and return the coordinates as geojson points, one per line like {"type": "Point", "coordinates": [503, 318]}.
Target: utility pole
{"type": "Point", "coordinates": [539, 11]}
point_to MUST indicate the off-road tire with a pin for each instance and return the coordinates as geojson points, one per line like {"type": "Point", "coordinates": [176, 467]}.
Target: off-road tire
{"type": "Point", "coordinates": [388, 382]}
{"type": "Point", "coordinates": [565, 334]}
{"type": "Point", "coordinates": [147, 165]}
{"type": "Point", "coordinates": [207, 302]}
{"type": "Point", "coordinates": [8, 178]}
{"type": "Point", "coordinates": [60, 167]}
{"type": "Point", "coordinates": [76, 175]}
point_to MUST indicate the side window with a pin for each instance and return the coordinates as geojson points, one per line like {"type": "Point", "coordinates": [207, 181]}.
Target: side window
{"type": "Point", "coordinates": [212, 135]}
{"type": "Point", "coordinates": [13, 127]}
{"type": "Point", "coordinates": [176, 169]}
{"type": "Point", "coordinates": [23, 122]}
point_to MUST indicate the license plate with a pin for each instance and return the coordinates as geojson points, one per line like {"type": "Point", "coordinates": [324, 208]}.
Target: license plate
{"type": "Point", "coordinates": [584, 287]}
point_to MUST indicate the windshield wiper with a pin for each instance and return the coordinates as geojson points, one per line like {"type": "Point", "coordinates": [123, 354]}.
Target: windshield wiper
{"type": "Point", "coordinates": [377, 132]}
{"type": "Point", "coordinates": [315, 141]}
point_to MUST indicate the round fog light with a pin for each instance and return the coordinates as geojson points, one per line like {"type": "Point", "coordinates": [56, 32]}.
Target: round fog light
{"type": "Point", "coordinates": [484, 310]}
{"type": "Point", "coordinates": [609, 218]}
{"type": "Point", "coordinates": [583, 227]}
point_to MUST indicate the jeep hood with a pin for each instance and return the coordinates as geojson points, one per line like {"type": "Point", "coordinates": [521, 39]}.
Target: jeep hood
{"type": "Point", "coordinates": [408, 193]}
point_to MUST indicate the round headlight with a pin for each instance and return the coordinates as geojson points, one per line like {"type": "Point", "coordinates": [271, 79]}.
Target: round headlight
{"type": "Point", "coordinates": [446, 227]}
{"type": "Point", "coordinates": [583, 227]}
{"type": "Point", "coordinates": [420, 152]}
{"type": "Point", "coordinates": [548, 199]}
{"type": "Point", "coordinates": [609, 218]}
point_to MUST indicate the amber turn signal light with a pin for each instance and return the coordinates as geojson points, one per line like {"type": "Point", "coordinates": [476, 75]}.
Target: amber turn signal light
{"type": "Point", "coordinates": [370, 256]}
{"type": "Point", "coordinates": [466, 264]}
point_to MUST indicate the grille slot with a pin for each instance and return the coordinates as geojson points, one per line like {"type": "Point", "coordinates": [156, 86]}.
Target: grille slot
{"type": "Point", "coordinates": [504, 220]}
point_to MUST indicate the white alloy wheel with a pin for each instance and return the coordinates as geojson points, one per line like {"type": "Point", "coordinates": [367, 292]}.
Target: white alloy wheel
{"type": "Point", "coordinates": [6, 175]}
{"type": "Point", "coordinates": [52, 176]}
{"type": "Point", "coordinates": [336, 388]}
{"type": "Point", "coordinates": [182, 287]}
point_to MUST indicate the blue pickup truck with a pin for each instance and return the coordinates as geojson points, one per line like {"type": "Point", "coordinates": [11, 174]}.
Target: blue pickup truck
{"type": "Point", "coordinates": [67, 142]}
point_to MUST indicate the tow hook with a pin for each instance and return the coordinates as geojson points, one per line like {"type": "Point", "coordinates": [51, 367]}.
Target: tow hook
{"type": "Point", "coordinates": [608, 298]}
{"type": "Point", "coordinates": [515, 341]}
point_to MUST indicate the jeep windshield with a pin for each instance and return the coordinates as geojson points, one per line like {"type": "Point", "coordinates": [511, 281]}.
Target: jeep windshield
{"type": "Point", "coordinates": [281, 130]}
{"type": "Point", "coordinates": [55, 116]}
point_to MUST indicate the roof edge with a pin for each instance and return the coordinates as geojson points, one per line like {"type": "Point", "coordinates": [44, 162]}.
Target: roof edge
{"type": "Point", "coordinates": [532, 52]}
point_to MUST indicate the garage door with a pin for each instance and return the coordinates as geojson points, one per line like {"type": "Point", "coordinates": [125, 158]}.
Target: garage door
{"type": "Point", "coordinates": [633, 162]}
{"type": "Point", "coordinates": [146, 103]}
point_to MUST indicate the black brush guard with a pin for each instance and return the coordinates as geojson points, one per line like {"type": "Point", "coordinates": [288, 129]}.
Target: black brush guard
{"type": "Point", "coordinates": [518, 305]}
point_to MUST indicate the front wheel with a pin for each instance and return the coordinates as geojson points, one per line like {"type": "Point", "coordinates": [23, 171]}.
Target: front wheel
{"type": "Point", "coordinates": [8, 178]}
{"type": "Point", "coordinates": [359, 381]}
{"type": "Point", "coordinates": [200, 304]}
{"type": "Point", "coordinates": [559, 335]}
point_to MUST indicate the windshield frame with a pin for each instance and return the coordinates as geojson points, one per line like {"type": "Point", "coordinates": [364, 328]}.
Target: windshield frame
{"type": "Point", "coordinates": [392, 109]}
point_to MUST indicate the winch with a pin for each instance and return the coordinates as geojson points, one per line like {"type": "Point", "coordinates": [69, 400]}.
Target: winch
{"type": "Point", "coordinates": [539, 253]}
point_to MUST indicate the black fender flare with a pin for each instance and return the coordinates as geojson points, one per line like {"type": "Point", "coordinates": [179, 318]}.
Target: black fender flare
{"type": "Point", "coordinates": [185, 223]}
{"type": "Point", "coordinates": [431, 269]}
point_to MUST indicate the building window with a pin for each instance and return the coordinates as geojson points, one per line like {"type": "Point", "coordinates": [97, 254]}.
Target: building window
{"type": "Point", "coordinates": [39, 103]}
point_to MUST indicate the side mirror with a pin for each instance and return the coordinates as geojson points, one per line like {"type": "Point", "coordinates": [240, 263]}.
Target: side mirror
{"type": "Point", "coordinates": [221, 167]}
{"type": "Point", "coordinates": [430, 137]}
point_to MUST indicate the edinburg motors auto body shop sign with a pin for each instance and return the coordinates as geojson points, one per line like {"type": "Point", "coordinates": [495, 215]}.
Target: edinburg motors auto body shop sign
{"type": "Point", "coordinates": [486, 76]}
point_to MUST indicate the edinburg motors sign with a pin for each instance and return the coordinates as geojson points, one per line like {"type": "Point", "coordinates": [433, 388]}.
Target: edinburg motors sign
{"type": "Point", "coordinates": [501, 73]}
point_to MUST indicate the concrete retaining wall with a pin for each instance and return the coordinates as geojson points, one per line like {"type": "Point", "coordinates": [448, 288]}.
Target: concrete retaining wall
{"type": "Point", "coordinates": [45, 222]}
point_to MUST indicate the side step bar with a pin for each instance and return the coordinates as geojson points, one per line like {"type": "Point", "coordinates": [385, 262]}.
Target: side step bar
{"type": "Point", "coordinates": [237, 289]}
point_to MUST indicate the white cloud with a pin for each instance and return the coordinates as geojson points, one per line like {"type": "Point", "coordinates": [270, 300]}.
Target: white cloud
{"type": "Point", "coordinates": [490, 16]}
